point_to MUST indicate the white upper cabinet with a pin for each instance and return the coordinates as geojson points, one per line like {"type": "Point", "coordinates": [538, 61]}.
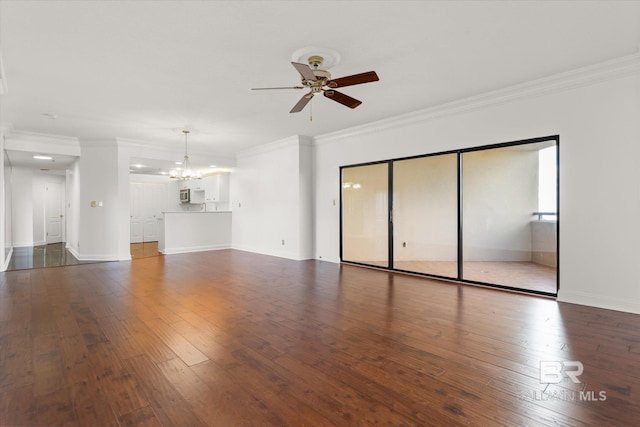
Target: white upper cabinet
{"type": "Point", "coordinates": [216, 188]}
{"type": "Point", "coordinates": [223, 187]}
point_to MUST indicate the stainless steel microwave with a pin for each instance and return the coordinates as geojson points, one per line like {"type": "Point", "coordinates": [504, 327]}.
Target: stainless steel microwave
{"type": "Point", "coordinates": [185, 195]}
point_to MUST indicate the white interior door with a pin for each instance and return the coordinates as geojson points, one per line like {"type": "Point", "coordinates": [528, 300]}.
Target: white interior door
{"type": "Point", "coordinates": [154, 205]}
{"type": "Point", "coordinates": [135, 201]}
{"type": "Point", "coordinates": [53, 211]}
{"type": "Point", "coordinates": [149, 226]}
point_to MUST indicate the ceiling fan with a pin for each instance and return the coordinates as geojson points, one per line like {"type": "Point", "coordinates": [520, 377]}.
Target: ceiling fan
{"type": "Point", "coordinates": [318, 81]}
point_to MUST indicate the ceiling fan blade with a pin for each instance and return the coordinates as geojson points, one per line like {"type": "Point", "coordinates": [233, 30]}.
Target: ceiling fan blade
{"type": "Point", "coordinates": [271, 88]}
{"type": "Point", "coordinates": [355, 79]}
{"type": "Point", "coordinates": [342, 98]}
{"type": "Point", "coordinates": [302, 103]}
{"type": "Point", "coordinates": [305, 71]}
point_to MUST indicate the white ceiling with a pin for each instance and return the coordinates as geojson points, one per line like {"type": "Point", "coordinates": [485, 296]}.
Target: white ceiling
{"type": "Point", "coordinates": [141, 70]}
{"type": "Point", "coordinates": [57, 165]}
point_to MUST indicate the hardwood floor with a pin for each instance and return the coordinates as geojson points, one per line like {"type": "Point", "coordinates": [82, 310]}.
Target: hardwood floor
{"type": "Point", "coordinates": [51, 255]}
{"type": "Point", "coordinates": [229, 338]}
{"type": "Point", "coordinates": [55, 255]}
{"type": "Point", "coordinates": [144, 250]}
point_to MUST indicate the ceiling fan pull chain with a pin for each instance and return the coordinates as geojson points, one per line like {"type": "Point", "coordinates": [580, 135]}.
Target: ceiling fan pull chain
{"type": "Point", "coordinates": [311, 111]}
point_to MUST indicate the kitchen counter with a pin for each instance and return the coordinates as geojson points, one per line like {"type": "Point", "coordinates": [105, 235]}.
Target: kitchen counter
{"type": "Point", "coordinates": [194, 231]}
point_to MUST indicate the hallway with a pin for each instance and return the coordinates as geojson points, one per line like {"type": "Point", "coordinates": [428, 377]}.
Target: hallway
{"type": "Point", "coordinates": [52, 255]}
{"type": "Point", "coordinates": [55, 255]}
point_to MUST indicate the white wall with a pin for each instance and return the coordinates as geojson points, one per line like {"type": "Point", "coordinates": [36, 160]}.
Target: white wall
{"type": "Point", "coordinates": [38, 202]}
{"type": "Point", "coordinates": [272, 199]}
{"type": "Point", "coordinates": [366, 214]}
{"type": "Point", "coordinates": [101, 227]}
{"type": "Point", "coordinates": [22, 207]}
{"type": "Point", "coordinates": [306, 196]}
{"type": "Point", "coordinates": [8, 217]}
{"type": "Point", "coordinates": [20, 188]}
{"type": "Point", "coordinates": [28, 204]}
{"type": "Point", "coordinates": [194, 232]}
{"type": "Point", "coordinates": [595, 112]}
{"type": "Point", "coordinates": [73, 207]}
{"type": "Point", "coordinates": [500, 194]}
{"type": "Point", "coordinates": [426, 208]}
{"type": "Point", "coordinates": [171, 201]}
{"type": "Point", "coordinates": [5, 204]}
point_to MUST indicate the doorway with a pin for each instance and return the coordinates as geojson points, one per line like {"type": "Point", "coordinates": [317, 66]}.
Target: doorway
{"type": "Point", "coordinates": [147, 202]}
{"type": "Point", "coordinates": [485, 215]}
{"type": "Point", "coordinates": [54, 212]}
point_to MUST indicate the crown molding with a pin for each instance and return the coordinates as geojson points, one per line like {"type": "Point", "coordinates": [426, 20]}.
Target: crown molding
{"type": "Point", "coordinates": [138, 144]}
{"type": "Point", "coordinates": [295, 140]}
{"type": "Point", "coordinates": [44, 137]}
{"type": "Point", "coordinates": [584, 76]}
{"type": "Point", "coordinates": [306, 140]}
{"type": "Point", "coordinates": [6, 129]}
{"type": "Point", "coordinates": [20, 140]}
{"type": "Point", "coordinates": [173, 150]}
{"type": "Point", "coordinates": [99, 143]}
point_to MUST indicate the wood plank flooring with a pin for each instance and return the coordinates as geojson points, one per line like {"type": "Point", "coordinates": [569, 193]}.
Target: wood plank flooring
{"type": "Point", "coordinates": [51, 255]}
{"type": "Point", "coordinates": [55, 255]}
{"type": "Point", "coordinates": [144, 250]}
{"type": "Point", "coordinates": [230, 338]}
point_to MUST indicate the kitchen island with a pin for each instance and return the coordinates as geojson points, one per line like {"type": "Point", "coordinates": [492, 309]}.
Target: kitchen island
{"type": "Point", "coordinates": [194, 231]}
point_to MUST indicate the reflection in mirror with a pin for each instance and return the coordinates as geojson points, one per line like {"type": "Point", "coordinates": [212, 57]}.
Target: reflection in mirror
{"type": "Point", "coordinates": [506, 241]}
{"type": "Point", "coordinates": [425, 224]}
{"type": "Point", "coordinates": [365, 211]}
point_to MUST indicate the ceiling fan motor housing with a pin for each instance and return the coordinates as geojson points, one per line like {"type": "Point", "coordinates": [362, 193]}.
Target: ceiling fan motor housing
{"type": "Point", "coordinates": [315, 62]}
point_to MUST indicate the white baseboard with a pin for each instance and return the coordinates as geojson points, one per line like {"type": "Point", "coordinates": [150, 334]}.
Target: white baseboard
{"type": "Point", "coordinates": [332, 260]}
{"type": "Point", "coordinates": [73, 251]}
{"type": "Point", "coordinates": [91, 257]}
{"type": "Point", "coordinates": [23, 245]}
{"type": "Point", "coordinates": [5, 262]}
{"type": "Point", "coordinates": [279, 254]}
{"type": "Point", "coordinates": [97, 257]}
{"type": "Point", "coordinates": [188, 249]}
{"type": "Point", "coordinates": [600, 301]}
{"type": "Point", "coordinates": [29, 244]}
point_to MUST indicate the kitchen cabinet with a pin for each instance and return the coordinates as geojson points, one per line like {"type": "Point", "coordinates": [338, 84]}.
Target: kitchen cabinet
{"type": "Point", "coordinates": [197, 195]}
{"type": "Point", "coordinates": [210, 189]}
{"type": "Point", "coordinates": [196, 190]}
{"type": "Point", "coordinates": [197, 185]}
{"type": "Point", "coordinates": [217, 188]}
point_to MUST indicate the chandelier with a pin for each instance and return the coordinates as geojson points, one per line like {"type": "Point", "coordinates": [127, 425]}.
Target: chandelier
{"type": "Point", "coordinates": [185, 173]}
